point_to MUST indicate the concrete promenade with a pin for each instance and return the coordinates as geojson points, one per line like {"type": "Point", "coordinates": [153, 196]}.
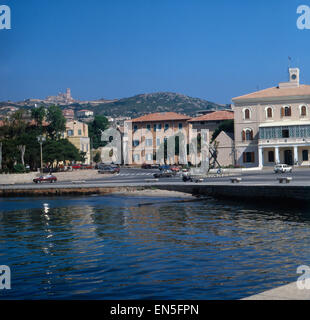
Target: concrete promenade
{"type": "Point", "coordinates": [287, 292]}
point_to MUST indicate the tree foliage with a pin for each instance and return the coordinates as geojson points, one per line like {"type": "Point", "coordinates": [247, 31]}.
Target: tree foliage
{"type": "Point", "coordinates": [227, 126]}
{"type": "Point", "coordinates": [99, 124]}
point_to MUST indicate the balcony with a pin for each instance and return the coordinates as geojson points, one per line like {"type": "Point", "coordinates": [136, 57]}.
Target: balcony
{"type": "Point", "coordinates": [283, 141]}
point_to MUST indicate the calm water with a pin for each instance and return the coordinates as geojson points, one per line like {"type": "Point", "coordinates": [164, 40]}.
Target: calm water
{"type": "Point", "coordinates": [114, 247]}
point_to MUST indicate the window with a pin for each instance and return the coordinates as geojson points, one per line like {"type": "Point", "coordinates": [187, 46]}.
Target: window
{"type": "Point", "coordinates": [270, 156]}
{"type": "Point", "coordinates": [247, 135]}
{"type": "Point", "coordinates": [286, 112]}
{"type": "Point", "coordinates": [248, 157]}
{"type": "Point", "coordinates": [158, 141]}
{"type": "Point", "coordinates": [148, 127]}
{"type": "Point", "coordinates": [285, 133]}
{"type": "Point", "coordinates": [148, 142]}
{"type": "Point", "coordinates": [180, 126]}
{"type": "Point", "coordinates": [157, 127]}
{"type": "Point", "coordinates": [136, 157]}
{"type": "Point", "coordinates": [166, 126]}
{"type": "Point", "coordinates": [79, 132]}
{"type": "Point", "coordinates": [70, 133]}
{"type": "Point", "coordinates": [305, 155]}
{"type": "Point", "coordinates": [303, 111]}
{"type": "Point", "coordinates": [269, 112]}
{"type": "Point", "coordinates": [149, 156]}
{"type": "Point", "coordinates": [246, 114]}
{"type": "Point", "coordinates": [135, 128]}
{"type": "Point", "coordinates": [135, 143]}
{"type": "Point", "coordinates": [202, 122]}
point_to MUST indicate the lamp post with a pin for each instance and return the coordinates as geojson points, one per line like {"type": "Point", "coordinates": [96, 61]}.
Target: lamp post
{"type": "Point", "coordinates": [41, 139]}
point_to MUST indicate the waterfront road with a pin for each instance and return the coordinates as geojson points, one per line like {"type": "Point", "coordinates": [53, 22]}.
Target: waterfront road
{"type": "Point", "coordinates": [129, 177]}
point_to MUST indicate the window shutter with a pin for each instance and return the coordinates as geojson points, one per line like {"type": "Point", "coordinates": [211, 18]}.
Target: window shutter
{"type": "Point", "coordinates": [243, 135]}
{"type": "Point", "coordinates": [282, 112]}
{"type": "Point", "coordinates": [251, 134]}
{"type": "Point", "coordinates": [289, 113]}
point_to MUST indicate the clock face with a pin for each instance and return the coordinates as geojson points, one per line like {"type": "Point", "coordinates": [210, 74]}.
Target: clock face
{"type": "Point", "coordinates": [294, 76]}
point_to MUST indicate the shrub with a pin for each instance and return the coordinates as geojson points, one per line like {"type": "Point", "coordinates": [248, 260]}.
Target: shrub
{"type": "Point", "coordinates": [19, 168]}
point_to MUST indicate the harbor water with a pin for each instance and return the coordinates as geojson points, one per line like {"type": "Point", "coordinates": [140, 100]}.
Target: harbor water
{"type": "Point", "coordinates": [124, 247]}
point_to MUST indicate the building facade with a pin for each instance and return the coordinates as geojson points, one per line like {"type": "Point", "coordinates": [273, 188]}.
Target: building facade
{"type": "Point", "coordinates": [273, 125]}
{"type": "Point", "coordinates": [146, 135]}
{"type": "Point", "coordinates": [77, 134]}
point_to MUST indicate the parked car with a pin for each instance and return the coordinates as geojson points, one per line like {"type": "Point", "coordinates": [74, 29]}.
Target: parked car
{"type": "Point", "coordinates": [48, 178]}
{"type": "Point", "coordinates": [175, 168]}
{"type": "Point", "coordinates": [87, 166]}
{"type": "Point", "coordinates": [109, 169]}
{"type": "Point", "coordinates": [282, 168]}
{"type": "Point", "coordinates": [164, 167]}
{"type": "Point", "coordinates": [76, 166]}
{"type": "Point", "coordinates": [146, 166]}
{"type": "Point", "coordinates": [164, 174]}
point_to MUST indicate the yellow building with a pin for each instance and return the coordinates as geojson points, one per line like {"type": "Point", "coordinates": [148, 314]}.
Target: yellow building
{"type": "Point", "coordinates": [77, 134]}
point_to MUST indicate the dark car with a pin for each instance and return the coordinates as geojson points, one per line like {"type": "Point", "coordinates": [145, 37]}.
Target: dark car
{"type": "Point", "coordinates": [48, 178]}
{"type": "Point", "coordinates": [146, 166]}
{"type": "Point", "coordinates": [164, 174]}
{"type": "Point", "coordinates": [109, 169]}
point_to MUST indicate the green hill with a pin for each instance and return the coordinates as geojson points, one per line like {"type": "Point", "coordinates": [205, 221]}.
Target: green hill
{"type": "Point", "coordinates": [155, 102]}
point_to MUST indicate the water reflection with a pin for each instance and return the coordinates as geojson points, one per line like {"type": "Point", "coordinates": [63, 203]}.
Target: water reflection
{"type": "Point", "coordinates": [117, 248]}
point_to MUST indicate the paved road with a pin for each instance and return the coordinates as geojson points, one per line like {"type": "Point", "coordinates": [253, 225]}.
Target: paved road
{"type": "Point", "coordinates": [129, 176]}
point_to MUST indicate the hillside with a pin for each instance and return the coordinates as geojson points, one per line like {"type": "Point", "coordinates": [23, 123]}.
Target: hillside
{"type": "Point", "coordinates": [142, 104]}
{"type": "Point", "coordinates": [155, 102]}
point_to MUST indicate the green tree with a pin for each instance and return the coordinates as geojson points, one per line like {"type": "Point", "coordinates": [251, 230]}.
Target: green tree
{"type": "Point", "coordinates": [57, 122]}
{"type": "Point", "coordinates": [227, 126]}
{"type": "Point", "coordinates": [99, 124]}
{"type": "Point", "coordinates": [97, 157]}
{"type": "Point", "coordinates": [60, 150]}
{"type": "Point", "coordinates": [38, 115]}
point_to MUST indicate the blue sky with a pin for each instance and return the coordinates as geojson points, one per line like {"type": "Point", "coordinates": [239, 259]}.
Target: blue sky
{"type": "Point", "coordinates": [214, 50]}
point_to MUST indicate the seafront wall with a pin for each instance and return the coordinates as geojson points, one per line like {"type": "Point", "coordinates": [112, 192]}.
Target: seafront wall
{"type": "Point", "coordinates": [14, 178]}
{"type": "Point", "coordinates": [281, 193]}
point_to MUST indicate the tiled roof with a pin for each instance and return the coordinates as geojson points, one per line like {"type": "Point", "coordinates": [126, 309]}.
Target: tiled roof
{"type": "Point", "coordinates": [215, 116]}
{"type": "Point", "coordinates": [161, 116]}
{"type": "Point", "coordinates": [276, 92]}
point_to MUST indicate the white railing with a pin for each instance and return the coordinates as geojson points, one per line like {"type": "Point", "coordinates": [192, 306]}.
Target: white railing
{"type": "Point", "coordinates": [283, 141]}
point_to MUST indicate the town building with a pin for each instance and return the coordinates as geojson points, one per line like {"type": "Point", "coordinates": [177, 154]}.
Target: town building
{"type": "Point", "coordinates": [225, 149]}
{"type": "Point", "coordinates": [210, 121]}
{"type": "Point", "coordinates": [144, 136]}
{"type": "Point", "coordinates": [77, 133]}
{"type": "Point", "coordinates": [61, 98]}
{"type": "Point", "coordinates": [68, 114]}
{"type": "Point", "coordinates": [84, 113]}
{"type": "Point", "coordinates": [273, 125]}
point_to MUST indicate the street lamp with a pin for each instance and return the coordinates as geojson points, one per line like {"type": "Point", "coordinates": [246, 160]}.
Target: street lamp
{"type": "Point", "coordinates": [41, 139]}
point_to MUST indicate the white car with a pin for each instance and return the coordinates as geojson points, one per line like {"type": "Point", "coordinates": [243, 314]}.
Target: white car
{"type": "Point", "coordinates": [282, 168]}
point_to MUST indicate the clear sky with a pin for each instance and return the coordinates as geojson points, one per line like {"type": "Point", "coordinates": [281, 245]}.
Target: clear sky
{"type": "Point", "coordinates": [214, 50]}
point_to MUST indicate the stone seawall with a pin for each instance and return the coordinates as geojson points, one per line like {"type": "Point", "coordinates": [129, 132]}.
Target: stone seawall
{"type": "Point", "coordinates": [264, 192]}
{"type": "Point", "coordinates": [283, 193]}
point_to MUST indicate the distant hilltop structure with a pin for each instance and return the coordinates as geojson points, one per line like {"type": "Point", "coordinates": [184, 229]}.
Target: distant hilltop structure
{"type": "Point", "coordinates": [62, 98]}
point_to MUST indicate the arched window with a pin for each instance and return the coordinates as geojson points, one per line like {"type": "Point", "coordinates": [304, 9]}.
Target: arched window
{"type": "Point", "coordinates": [247, 135]}
{"type": "Point", "coordinates": [269, 112]}
{"type": "Point", "coordinates": [247, 114]}
{"type": "Point", "coordinates": [303, 111]}
{"type": "Point", "coordinates": [286, 112]}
